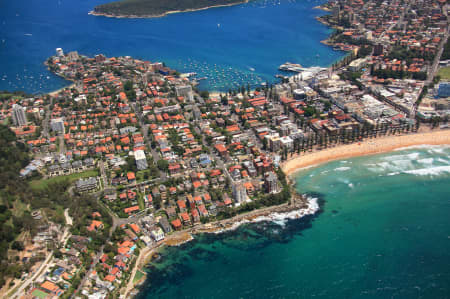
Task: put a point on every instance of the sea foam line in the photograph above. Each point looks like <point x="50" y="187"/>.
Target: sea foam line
<point x="432" y="171"/>
<point x="279" y="218"/>
<point x="423" y="146"/>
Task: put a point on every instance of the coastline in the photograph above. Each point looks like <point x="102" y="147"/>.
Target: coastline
<point x="55" y="92"/>
<point x="321" y="7"/>
<point x="119" y="16"/>
<point x="298" y="207"/>
<point x="368" y="147"/>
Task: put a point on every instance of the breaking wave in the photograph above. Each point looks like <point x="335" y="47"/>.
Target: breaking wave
<point x="344" y="168"/>
<point x="280" y="219"/>
<point x="432" y="171"/>
<point x="416" y="163"/>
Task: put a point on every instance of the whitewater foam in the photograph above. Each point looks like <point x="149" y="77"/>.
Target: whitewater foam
<point x="403" y="164"/>
<point x="280" y="219"/>
<point x="411" y="156"/>
<point x="442" y="160"/>
<point x="426" y="161"/>
<point x="432" y="171"/>
<point x="423" y="146"/>
<point x="344" y="168"/>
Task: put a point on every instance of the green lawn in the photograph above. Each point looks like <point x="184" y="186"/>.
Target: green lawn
<point x="39" y="294"/>
<point x="140" y="199"/>
<point x="43" y="183"/>
<point x="138" y="276"/>
<point x="444" y="73"/>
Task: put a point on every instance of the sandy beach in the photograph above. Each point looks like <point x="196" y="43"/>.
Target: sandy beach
<point x="55" y="92"/>
<point x="367" y="147"/>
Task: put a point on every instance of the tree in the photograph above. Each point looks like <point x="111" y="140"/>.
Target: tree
<point x="204" y="94"/>
<point x="128" y="85"/>
<point x="162" y="165"/>
<point x="264" y="142"/>
<point x="17" y="245"/>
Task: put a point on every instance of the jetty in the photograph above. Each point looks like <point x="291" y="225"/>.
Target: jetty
<point x="291" y="67"/>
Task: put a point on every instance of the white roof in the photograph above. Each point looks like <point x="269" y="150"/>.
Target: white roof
<point x="139" y="155"/>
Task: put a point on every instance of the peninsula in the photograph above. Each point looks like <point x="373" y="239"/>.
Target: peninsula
<point x="156" y="8"/>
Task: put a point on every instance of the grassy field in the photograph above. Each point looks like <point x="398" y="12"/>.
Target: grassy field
<point x="444" y="73"/>
<point x="138" y="276"/>
<point x="43" y="183"/>
<point x="39" y="294"/>
<point x="141" y="202"/>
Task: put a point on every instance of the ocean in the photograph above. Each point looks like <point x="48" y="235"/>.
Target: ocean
<point x="231" y="46"/>
<point x="383" y="231"/>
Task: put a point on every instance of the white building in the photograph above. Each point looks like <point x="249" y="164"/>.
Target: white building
<point x="186" y="92"/>
<point x="59" y="52"/>
<point x="287" y="142"/>
<point x="18" y="115"/>
<point x="239" y="192"/>
<point x="357" y="65"/>
<point x="157" y="234"/>
<point x="141" y="160"/>
<point x="57" y="125"/>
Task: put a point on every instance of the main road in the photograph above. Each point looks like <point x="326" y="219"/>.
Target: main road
<point x="144" y="127"/>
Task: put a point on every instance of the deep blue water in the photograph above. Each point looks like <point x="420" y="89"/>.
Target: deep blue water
<point x="384" y="232"/>
<point x="225" y="44"/>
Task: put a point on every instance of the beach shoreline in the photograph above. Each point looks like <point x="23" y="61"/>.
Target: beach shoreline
<point x="55" y="92"/>
<point x="299" y="206"/>
<point x="364" y="148"/>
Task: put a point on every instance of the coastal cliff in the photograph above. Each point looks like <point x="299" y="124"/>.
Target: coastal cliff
<point x="157" y="8"/>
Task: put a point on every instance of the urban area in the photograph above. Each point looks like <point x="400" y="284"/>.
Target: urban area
<point x="132" y="155"/>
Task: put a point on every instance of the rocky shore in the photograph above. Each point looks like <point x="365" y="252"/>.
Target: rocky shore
<point x="296" y="208"/>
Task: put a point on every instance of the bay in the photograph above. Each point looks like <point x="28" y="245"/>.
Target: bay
<point x="232" y="46"/>
<point x="383" y="232"/>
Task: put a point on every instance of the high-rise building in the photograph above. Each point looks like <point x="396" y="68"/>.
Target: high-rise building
<point x="336" y="10"/>
<point x="141" y="160"/>
<point x="18" y="115"/>
<point x="186" y="92"/>
<point x="100" y="58"/>
<point x="239" y="192"/>
<point x="73" y="56"/>
<point x="270" y="182"/>
<point x="59" y="52"/>
<point x="57" y="125"/>
<point x="377" y="50"/>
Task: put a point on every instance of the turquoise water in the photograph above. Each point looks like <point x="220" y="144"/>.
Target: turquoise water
<point x="230" y="45"/>
<point x="383" y="232"/>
